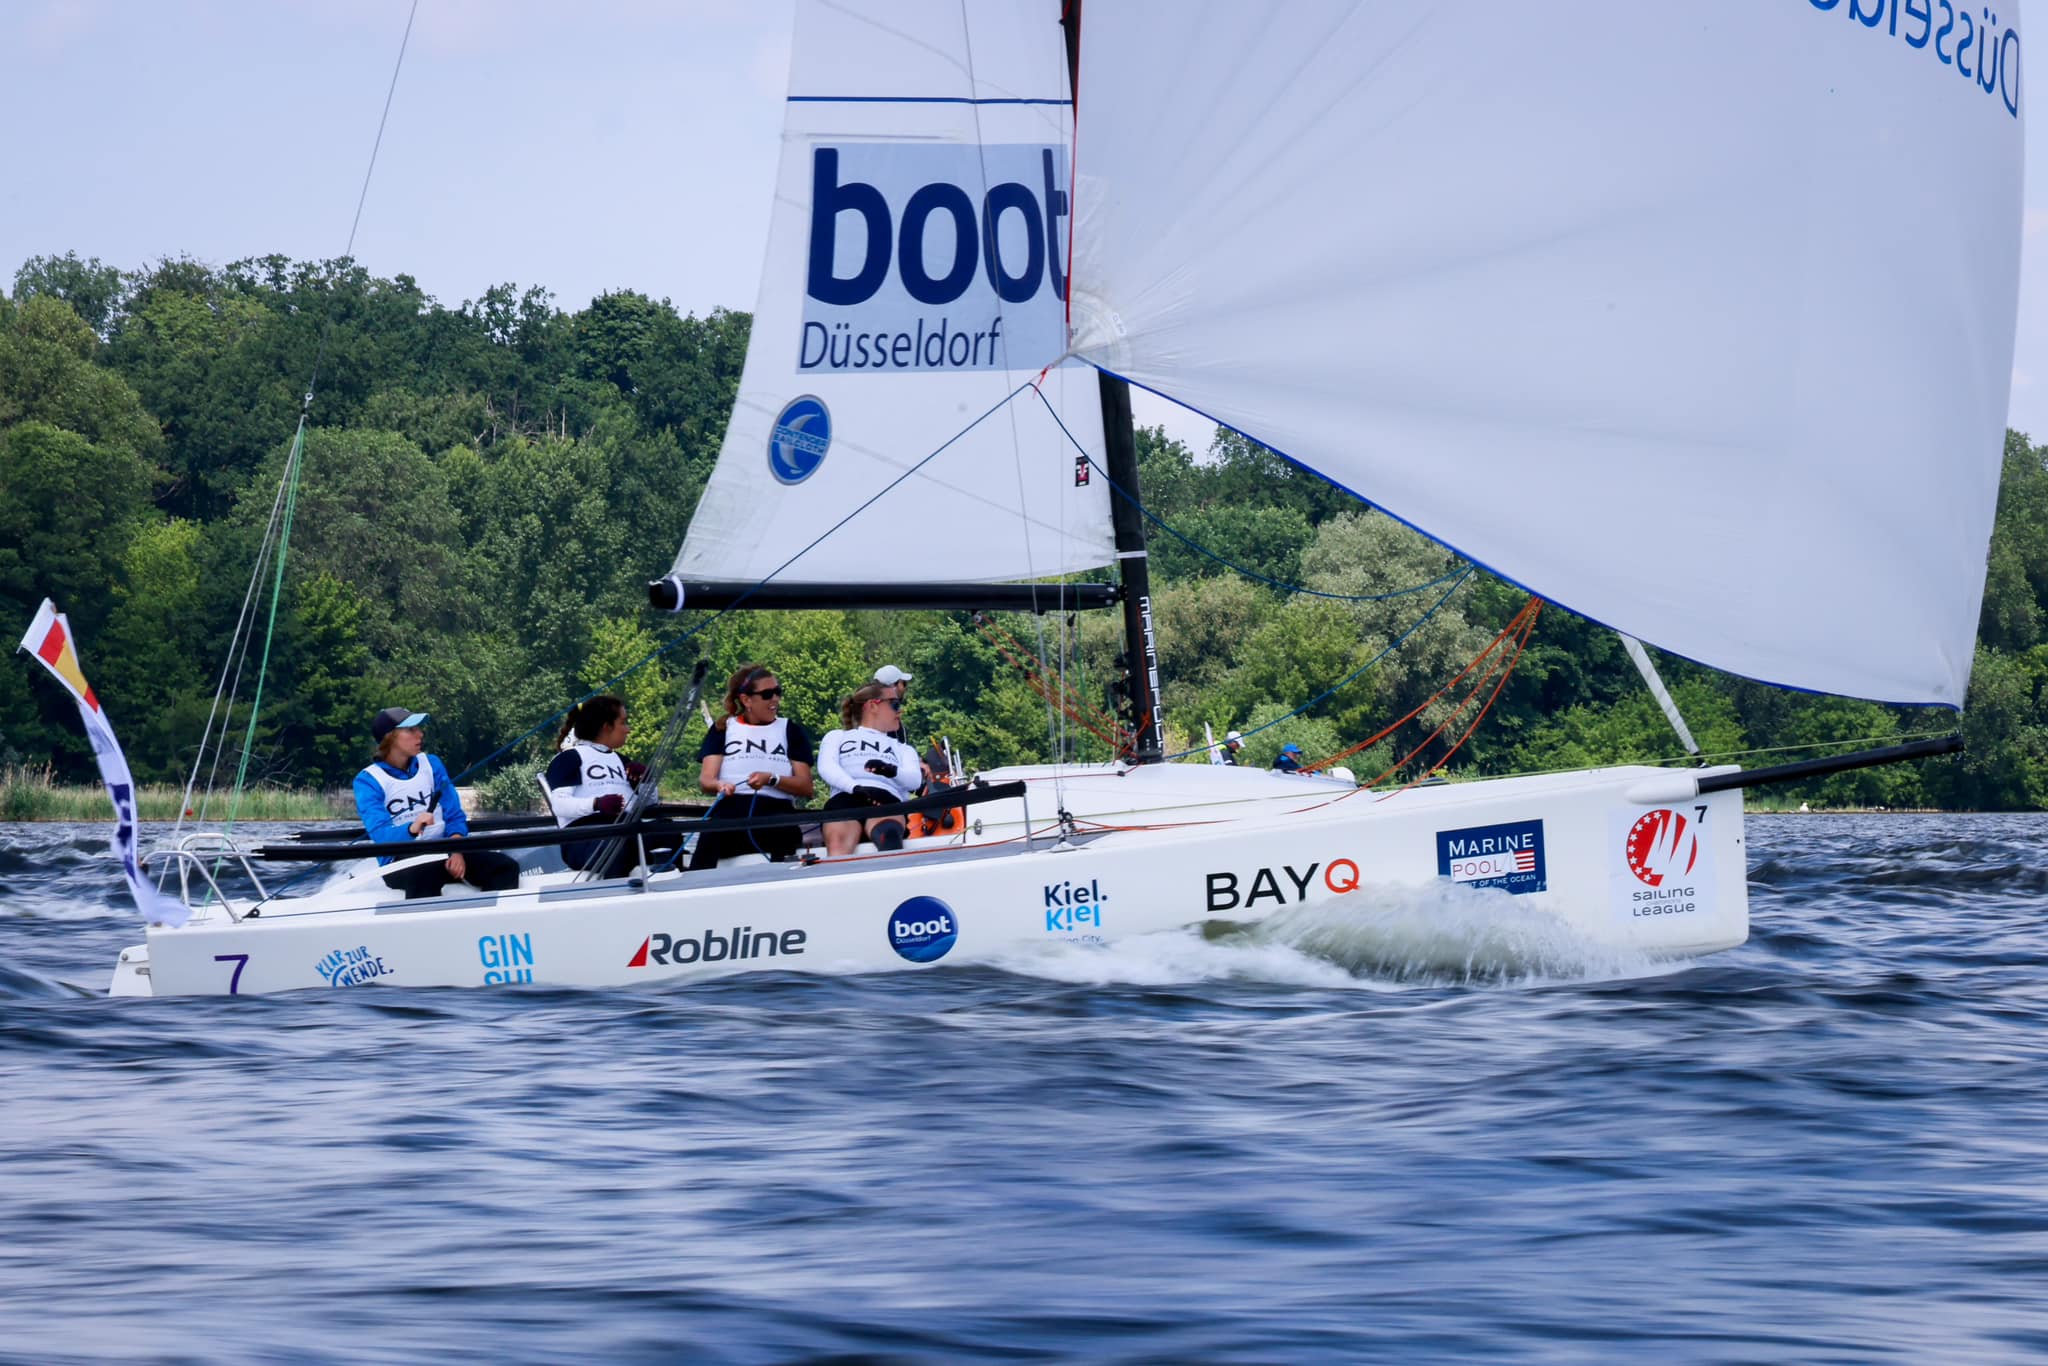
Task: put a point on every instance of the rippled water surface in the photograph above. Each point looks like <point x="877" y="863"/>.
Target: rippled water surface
<point x="1424" y="1130"/>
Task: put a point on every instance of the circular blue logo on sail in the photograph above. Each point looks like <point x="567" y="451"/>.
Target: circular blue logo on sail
<point x="923" y="929"/>
<point x="797" y="441"/>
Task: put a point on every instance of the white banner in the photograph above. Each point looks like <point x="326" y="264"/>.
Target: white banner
<point x="49" y="639"/>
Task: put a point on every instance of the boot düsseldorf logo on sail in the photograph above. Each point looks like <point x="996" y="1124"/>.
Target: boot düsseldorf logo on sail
<point x="935" y="256"/>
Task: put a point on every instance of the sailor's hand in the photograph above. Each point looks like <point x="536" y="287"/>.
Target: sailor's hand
<point x="610" y="804"/>
<point x="419" y="823"/>
<point x="887" y="770"/>
<point x="757" y="781"/>
<point x="456" y="867"/>
<point x="727" y="789"/>
<point x="635" y="771"/>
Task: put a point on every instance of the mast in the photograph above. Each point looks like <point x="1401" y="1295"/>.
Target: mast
<point x="1120" y="449"/>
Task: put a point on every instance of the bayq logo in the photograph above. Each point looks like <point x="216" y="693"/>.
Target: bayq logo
<point x="1507" y="856"/>
<point x="799" y="439"/>
<point x="934" y="256"/>
<point x="923" y="929"/>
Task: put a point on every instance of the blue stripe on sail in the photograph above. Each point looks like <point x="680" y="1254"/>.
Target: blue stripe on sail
<point x="909" y="99"/>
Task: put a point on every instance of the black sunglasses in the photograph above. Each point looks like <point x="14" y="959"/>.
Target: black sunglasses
<point x="767" y="693"/>
<point x="895" y="702"/>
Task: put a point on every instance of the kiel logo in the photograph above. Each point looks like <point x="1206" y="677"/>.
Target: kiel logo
<point x="1508" y="856"/>
<point x="1662" y="844"/>
<point x="799" y="439"/>
<point x="911" y="265"/>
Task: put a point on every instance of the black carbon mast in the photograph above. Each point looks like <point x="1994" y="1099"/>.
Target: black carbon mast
<point x="1141" y="705"/>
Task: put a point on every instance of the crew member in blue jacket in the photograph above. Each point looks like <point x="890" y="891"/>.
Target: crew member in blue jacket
<point x="405" y="795"/>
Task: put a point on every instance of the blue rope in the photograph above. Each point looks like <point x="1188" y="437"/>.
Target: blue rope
<point x="1148" y="515"/>
<point x="1345" y="681"/>
<point x="678" y="639"/>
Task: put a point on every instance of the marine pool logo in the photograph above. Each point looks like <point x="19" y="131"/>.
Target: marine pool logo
<point x="913" y="266"/>
<point x="923" y="929"/>
<point x="798" y="440"/>
<point x="1508" y="856"/>
<point x="1662" y="844"/>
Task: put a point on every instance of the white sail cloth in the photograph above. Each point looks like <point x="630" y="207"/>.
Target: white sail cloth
<point x="889" y="319"/>
<point x="1696" y="319"/>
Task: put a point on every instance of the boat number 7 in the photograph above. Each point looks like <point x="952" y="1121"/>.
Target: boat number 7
<point x="1703" y="813"/>
<point x="240" y="960"/>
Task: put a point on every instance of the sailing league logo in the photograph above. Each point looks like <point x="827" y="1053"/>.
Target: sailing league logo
<point x="935" y="256"/>
<point x="799" y="439"/>
<point x="1662" y="845"/>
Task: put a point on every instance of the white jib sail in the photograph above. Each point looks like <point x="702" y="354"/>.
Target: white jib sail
<point x="1697" y="319"/>
<point x="915" y="277"/>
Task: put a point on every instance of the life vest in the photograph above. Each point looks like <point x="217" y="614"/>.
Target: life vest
<point x="405" y="798"/>
<point x="600" y="772"/>
<point x="757" y="749"/>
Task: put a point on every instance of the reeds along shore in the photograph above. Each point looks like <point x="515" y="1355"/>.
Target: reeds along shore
<point x="27" y="794"/>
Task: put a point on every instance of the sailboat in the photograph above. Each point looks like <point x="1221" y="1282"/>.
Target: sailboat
<point x="1701" y="327"/>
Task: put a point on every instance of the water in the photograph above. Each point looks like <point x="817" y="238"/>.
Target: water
<point x="1405" y="1131"/>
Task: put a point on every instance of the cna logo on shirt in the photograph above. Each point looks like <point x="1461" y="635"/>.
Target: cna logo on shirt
<point x="1662" y="845"/>
<point x="935" y="256"/>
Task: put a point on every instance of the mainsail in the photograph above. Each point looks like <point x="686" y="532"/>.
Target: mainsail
<point x="1696" y="319"/>
<point x="915" y="279"/>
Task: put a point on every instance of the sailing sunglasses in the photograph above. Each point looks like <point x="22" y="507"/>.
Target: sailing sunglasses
<point x="895" y="702"/>
<point x="767" y="693"/>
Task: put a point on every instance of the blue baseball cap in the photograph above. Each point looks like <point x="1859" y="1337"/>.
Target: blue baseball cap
<point x="1290" y="748"/>
<point x="395" y="718"/>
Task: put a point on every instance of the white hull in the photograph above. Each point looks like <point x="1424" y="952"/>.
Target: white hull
<point x="1560" y="845"/>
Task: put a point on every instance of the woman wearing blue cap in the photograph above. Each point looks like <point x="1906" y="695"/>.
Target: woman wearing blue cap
<point x="405" y="795"/>
<point x="1290" y="758"/>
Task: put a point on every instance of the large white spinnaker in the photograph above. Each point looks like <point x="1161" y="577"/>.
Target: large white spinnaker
<point x="1697" y="319"/>
<point x="915" y="274"/>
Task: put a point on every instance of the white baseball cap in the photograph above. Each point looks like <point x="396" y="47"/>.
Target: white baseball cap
<point x="1232" y="736"/>
<point x="889" y="676"/>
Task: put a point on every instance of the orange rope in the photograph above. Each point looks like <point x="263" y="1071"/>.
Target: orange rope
<point x="1504" y="668"/>
<point x="1081" y="713"/>
<point x="1524" y="617"/>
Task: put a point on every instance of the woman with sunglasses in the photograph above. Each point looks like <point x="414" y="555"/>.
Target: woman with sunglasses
<point x="757" y="762"/>
<point x="865" y="766"/>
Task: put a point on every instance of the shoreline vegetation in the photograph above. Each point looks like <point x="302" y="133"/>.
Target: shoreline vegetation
<point x="484" y="489"/>
<point x="30" y="796"/>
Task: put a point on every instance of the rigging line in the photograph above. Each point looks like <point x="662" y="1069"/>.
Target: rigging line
<point x="284" y="539"/>
<point x="1349" y="678"/>
<point x="1199" y="548"/>
<point x="1514" y="623"/>
<point x="348" y="252"/>
<point x="1053" y="736"/>
<point x="1521" y="646"/>
<point x="768" y="578"/>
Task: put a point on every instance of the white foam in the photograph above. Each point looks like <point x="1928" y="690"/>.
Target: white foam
<point x="1374" y="939"/>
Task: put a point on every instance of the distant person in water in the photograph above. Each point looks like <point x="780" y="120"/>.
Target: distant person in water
<point x="590" y="783"/>
<point x="406" y="795"/>
<point x="757" y="762"/>
<point x="866" y="767"/>
<point x="1290" y="758"/>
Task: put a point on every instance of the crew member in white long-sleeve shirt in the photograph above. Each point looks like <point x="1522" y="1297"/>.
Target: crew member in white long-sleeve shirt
<point x="864" y="766"/>
<point x="590" y="783"/>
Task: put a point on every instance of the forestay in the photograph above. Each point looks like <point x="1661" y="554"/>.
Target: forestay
<point x="915" y="278"/>
<point x="1695" y="319"/>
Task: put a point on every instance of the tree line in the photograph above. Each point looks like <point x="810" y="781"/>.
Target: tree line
<point x="487" y="487"/>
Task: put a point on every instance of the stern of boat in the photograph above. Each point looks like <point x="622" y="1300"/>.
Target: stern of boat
<point x="131" y="973"/>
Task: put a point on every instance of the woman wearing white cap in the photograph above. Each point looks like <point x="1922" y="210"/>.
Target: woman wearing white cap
<point x="406" y="795"/>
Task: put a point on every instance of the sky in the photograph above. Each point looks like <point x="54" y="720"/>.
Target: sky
<point x="611" y="144"/>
